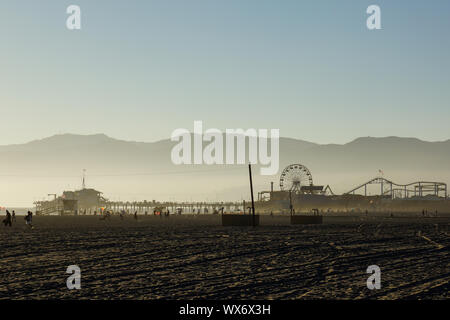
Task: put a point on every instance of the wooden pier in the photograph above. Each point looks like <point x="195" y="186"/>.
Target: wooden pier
<point x="175" y="207"/>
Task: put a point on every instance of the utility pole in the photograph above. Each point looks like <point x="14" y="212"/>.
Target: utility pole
<point x="251" y="191"/>
<point x="290" y="202"/>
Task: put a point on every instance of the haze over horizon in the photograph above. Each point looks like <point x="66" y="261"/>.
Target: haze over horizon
<point x="131" y="171"/>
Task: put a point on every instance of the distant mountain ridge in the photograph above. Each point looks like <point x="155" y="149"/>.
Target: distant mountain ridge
<point x="101" y="137"/>
<point x="127" y="167"/>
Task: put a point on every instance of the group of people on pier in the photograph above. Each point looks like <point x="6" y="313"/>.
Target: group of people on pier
<point x="107" y="214"/>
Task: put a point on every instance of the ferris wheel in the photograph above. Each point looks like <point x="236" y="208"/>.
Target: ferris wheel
<point x="294" y="177"/>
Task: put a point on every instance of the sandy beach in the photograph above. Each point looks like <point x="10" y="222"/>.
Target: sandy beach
<point x="193" y="257"/>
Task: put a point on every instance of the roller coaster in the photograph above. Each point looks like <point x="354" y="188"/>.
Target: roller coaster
<point x="404" y="191"/>
<point x="298" y="190"/>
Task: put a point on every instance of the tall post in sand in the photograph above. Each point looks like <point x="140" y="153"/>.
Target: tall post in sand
<point x="251" y="191"/>
<point x="291" y="208"/>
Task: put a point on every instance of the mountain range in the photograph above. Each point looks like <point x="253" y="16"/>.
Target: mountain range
<point x="127" y="170"/>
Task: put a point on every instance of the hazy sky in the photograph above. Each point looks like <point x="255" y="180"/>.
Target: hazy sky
<point x="139" y="69"/>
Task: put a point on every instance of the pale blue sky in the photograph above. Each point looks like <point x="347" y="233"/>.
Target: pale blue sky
<point x="140" y="69"/>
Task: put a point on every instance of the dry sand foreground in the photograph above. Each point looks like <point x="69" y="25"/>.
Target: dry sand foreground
<point x="188" y="257"/>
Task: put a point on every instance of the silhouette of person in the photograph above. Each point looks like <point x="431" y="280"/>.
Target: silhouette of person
<point x="14" y="216"/>
<point x="29" y="219"/>
<point x="7" y="220"/>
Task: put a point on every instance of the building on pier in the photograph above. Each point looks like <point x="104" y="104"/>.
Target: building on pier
<point x="84" y="201"/>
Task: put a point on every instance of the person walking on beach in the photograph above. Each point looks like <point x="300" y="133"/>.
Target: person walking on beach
<point x="29" y="219"/>
<point x="7" y="220"/>
<point x="135" y="215"/>
<point x="14" y="216"/>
